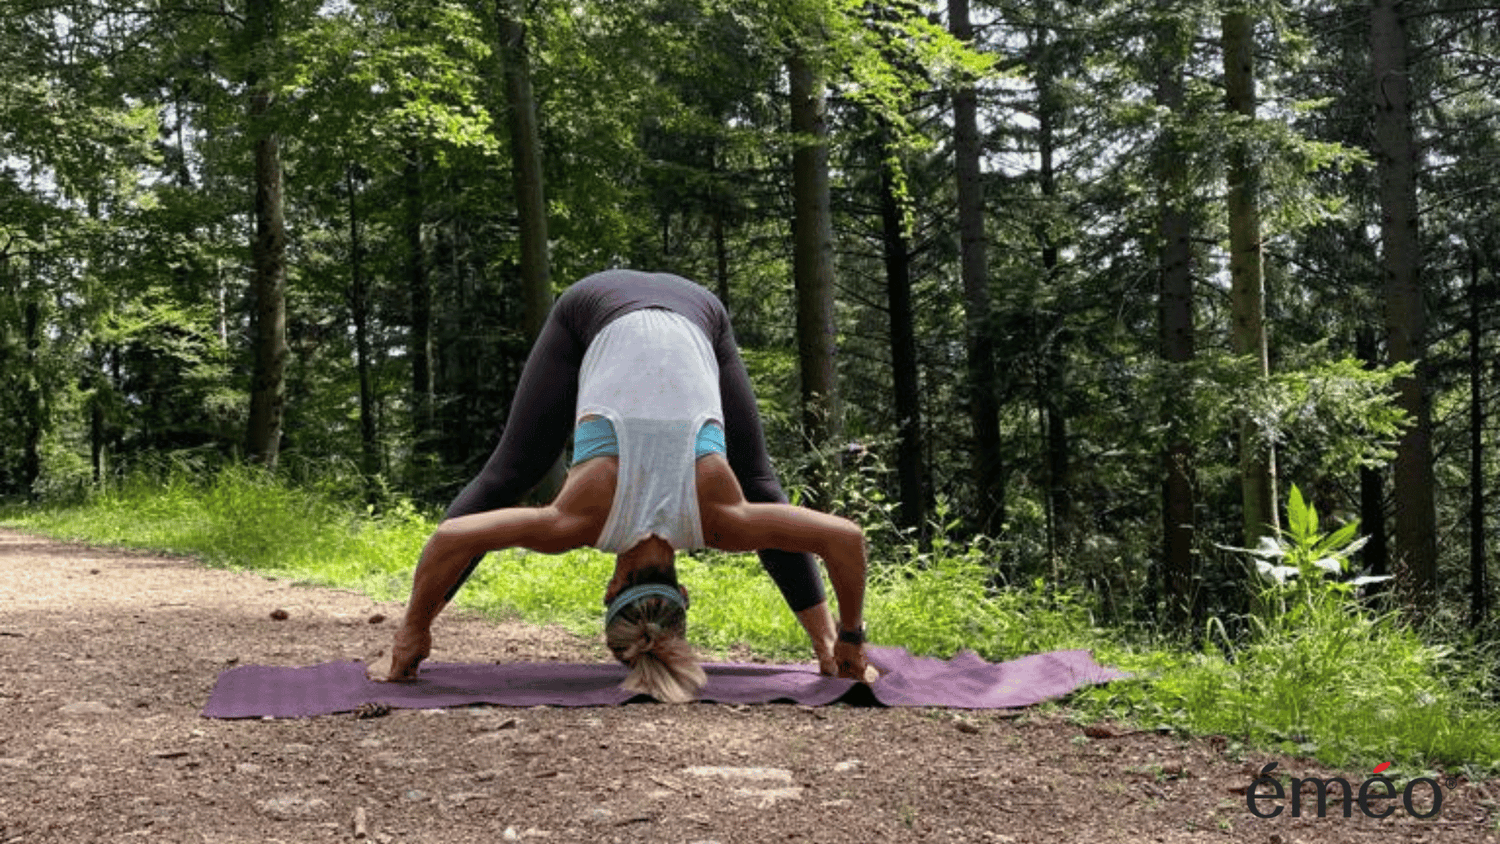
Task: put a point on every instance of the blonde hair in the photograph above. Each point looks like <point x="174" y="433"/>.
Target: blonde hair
<point x="649" y="636"/>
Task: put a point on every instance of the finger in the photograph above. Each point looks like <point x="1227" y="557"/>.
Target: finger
<point x="379" y="671"/>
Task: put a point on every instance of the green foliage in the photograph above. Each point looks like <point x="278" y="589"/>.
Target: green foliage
<point x="1319" y="675"/>
<point x="123" y="204"/>
<point x="1303" y="568"/>
<point x="1338" y="684"/>
<point x="242" y="518"/>
<point x="1326" y="417"/>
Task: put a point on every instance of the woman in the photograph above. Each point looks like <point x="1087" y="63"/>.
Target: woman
<point x="647" y="367"/>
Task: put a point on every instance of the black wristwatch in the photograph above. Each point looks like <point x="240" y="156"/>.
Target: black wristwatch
<point x="852" y="637"/>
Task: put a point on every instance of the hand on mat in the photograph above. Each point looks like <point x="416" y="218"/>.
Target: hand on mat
<point x="827" y="666"/>
<point x="852" y="664"/>
<point x="407" y="652"/>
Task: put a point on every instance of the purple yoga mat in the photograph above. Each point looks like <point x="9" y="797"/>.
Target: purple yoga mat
<point x="964" y="682"/>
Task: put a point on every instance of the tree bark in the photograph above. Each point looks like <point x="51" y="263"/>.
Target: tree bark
<point x="530" y="196"/>
<point x="1052" y="383"/>
<point x="1175" y="318"/>
<point x="1479" y="586"/>
<point x="1375" y="556"/>
<point x="1405" y="312"/>
<point x="904" y="375"/>
<point x="268" y="253"/>
<point x="1247" y="276"/>
<point x="984" y="418"/>
<point x="526" y="164"/>
<point x="359" y="310"/>
<point x="33" y="400"/>
<point x="812" y="270"/>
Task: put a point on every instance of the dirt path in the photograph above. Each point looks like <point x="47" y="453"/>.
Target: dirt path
<point x="107" y="657"/>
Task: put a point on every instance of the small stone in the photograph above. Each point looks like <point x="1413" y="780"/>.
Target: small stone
<point x="377" y="618"/>
<point x="287" y="806"/>
<point x="964" y="726"/>
<point x="414" y="795"/>
<point x="489" y="724"/>
<point x="599" y="813"/>
<point x="846" y="765"/>
<point x="279" y="614"/>
<point x="85" y="707"/>
<point x="510" y="834"/>
<point x="248" y="768"/>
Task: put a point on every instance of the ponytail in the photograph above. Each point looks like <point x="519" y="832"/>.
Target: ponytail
<point x="648" y="635"/>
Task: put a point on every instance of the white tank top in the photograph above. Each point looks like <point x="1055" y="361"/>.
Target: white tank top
<point x="653" y="375"/>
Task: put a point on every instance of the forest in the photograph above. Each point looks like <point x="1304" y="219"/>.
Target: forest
<point x="1090" y="285"/>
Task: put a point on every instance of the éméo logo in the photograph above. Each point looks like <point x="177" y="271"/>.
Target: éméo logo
<point x="1366" y="796"/>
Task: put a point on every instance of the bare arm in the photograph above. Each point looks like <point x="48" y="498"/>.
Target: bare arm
<point x="730" y="523"/>
<point x="573" y="520"/>
<point x="840" y="542"/>
<point x="456" y="541"/>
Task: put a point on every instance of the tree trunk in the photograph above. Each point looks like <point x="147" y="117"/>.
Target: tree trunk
<point x="1175" y="302"/>
<point x="812" y="270"/>
<point x="531" y="202"/>
<point x="1405" y="311"/>
<point x="34" y="403"/>
<point x="1479" y="586"/>
<point x="1375" y="555"/>
<point x="268" y="254"/>
<point x="97" y="433"/>
<point x="717" y="200"/>
<point x="989" y="486"/>
<point x="1247" y="276"/>
<point x="904" y="373"/>
<point x="359" y="308"/>
<point x="419" y="289"/>
<point x="1054" y="362"/>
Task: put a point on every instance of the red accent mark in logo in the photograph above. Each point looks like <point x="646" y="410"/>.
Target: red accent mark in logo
<point x="1382" y="766"/>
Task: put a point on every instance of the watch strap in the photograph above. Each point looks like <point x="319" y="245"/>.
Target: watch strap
<point x="852" y="637"/>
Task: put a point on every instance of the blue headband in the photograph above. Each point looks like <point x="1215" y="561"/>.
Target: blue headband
<point x="640" y="593"/>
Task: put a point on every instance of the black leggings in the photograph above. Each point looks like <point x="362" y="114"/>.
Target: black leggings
<point x="541" y="414"/>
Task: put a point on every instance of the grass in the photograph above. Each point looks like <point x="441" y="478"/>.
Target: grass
<point x="1344" y="687"/>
